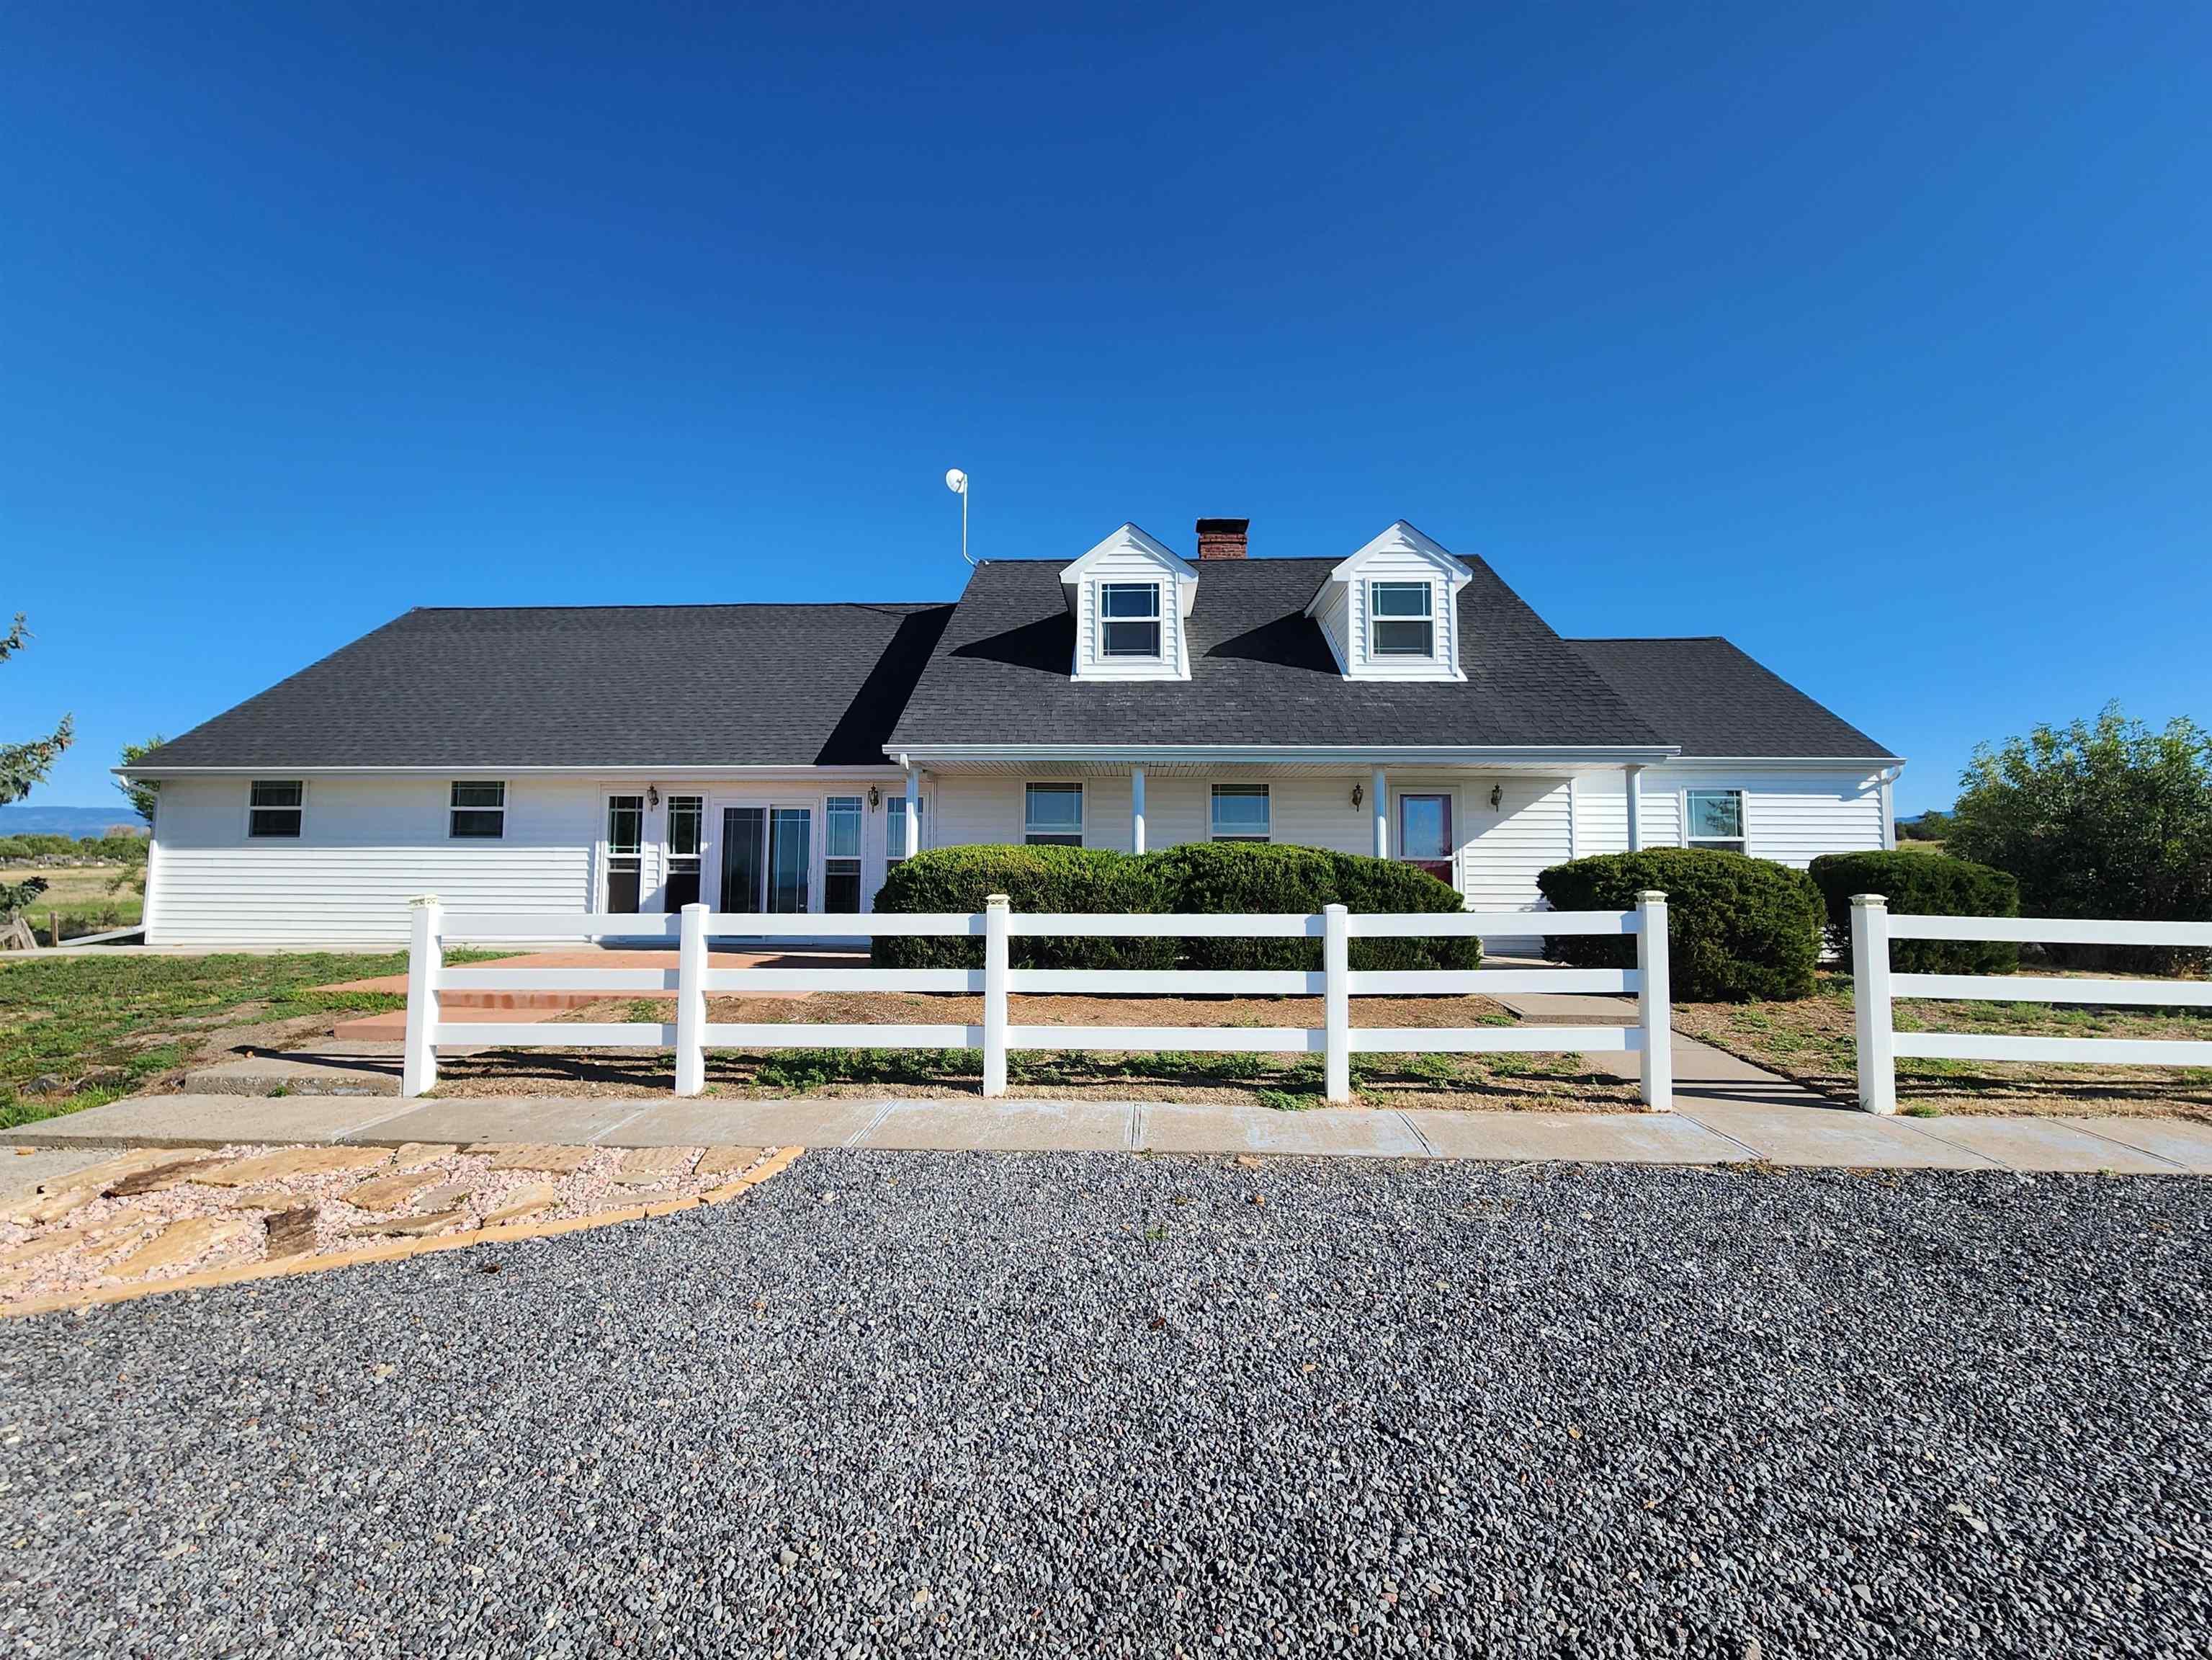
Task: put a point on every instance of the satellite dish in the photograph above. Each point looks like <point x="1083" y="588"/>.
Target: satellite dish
<point x="956" y="481"/>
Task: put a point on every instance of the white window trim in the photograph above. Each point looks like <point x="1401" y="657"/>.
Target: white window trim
<point x="302" y="810"/>
<point x="1375" y="652"/>
<point x="921" y="841"/>
<point x="1214" y="832"/>
<point x="1742" y="814"/>
<point x="451" y="809"/>
<point x="1082" y="810"/>
<point x="606" y="847"/>
<point x="1158" y="619"/>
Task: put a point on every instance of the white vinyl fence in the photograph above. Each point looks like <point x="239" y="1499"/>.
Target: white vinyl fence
<point x="691" y="1034"/>
<point x="1874" y="986"/>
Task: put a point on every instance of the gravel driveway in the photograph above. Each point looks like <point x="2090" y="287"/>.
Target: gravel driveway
<point x="976" y="1404"/>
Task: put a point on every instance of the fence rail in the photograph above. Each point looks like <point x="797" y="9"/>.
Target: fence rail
<point x="691" y="1033"/>
<point x="1875" y="989"/>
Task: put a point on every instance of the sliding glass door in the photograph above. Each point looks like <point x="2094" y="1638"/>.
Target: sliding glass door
<point x="767" y="859"/>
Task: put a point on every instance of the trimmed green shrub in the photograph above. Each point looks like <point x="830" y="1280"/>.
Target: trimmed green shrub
<point x="1209" y="878"/>
<point x="1247" y="878"/>
<point x="1089" y="881"/>
<point x="1925" y="885"/>
<point x="1737" y="928"/>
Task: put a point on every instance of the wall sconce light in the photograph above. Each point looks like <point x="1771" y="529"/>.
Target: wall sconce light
<point x="1497" y="795"/>
<point x="875" y="798"/>
<point x="652" y="795"/>
<point x="1358" y="795"/>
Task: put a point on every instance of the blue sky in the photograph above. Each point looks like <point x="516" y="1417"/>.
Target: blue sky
<point x="1877" y="343"/>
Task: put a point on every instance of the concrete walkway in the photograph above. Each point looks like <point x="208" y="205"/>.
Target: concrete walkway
<point x="1714" y="1123"/>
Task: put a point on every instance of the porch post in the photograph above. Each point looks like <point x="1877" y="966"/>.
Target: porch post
<point x="1635" y="810"/>
<point x="1381" y="790"/>
<point x="914" y="812"/>
<point x="1137" y="809"/>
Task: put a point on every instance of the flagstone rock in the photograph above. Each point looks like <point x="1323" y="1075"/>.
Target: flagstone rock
<point x="193" y="1167"/>
<point x="390" y="1192"/>
<point x="51" y="1206"/>
<point x="532" y="1200"/>
<point x="115" y="1168"/>
<point x="292" y="1232"/>
<point x="412" y="1154"/>
<point x="450" y="1196"/>
<point x="183" y="1242"/>
<point x="409" y="1226"/>
<point x="646" y="1167"/>
<point x="285" y="1163"/>
<point x="555" y="1160"/>
<point x="261" y="1199"/>
<point x="51" y="1245"/>
<point x="716" y="1161"/>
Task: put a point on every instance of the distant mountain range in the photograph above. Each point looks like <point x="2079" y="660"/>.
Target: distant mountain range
<point x="20" y="820"/>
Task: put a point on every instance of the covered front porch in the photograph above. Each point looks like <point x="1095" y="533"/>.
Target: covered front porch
<point x="1486" y="828"/>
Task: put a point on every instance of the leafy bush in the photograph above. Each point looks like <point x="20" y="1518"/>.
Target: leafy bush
<point x="2103" y="820"/>
<point x="1210" y="879"/>
<point x="1737" y="928"/>
<point x="1914" y="883"/>
<point x="1088" y="881"/>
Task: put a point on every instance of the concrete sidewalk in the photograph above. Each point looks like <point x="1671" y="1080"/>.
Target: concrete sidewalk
<point x="1715" y="1123"/>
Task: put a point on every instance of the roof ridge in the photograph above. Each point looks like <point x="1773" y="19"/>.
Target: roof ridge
<point x="1641" y="639"/>
<point x="707" y="604"/>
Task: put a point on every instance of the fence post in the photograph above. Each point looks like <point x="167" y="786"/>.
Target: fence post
<point x="1336" y="1000"/>
<point x="418" y="1067"/>
<point x="691" y="1001"/>
<point x="995" y="915"/>
<point x="1655" y="1004"/>
<point x="1870" y="997"/>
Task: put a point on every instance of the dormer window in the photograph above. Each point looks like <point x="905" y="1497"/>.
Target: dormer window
<point x="1401" y="618"/>
<point x="1391" y="612"/>
<point x="1130" y="599"/>
<point x="1129" y="620"/>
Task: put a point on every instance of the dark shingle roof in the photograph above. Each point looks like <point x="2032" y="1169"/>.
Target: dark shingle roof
<point x="613" y="685"/>
<point x="1260" y="674"/>
<point x="1709" y="698"/>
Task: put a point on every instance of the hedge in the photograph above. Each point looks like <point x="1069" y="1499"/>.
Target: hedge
<point x="1737" y="928"/>
<point x="1085" y="880"/>
<point x="1212" y="879"/>
<point x="1928" y="885"/>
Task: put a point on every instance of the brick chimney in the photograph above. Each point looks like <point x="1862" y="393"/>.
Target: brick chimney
<point x="1221" y="538"/>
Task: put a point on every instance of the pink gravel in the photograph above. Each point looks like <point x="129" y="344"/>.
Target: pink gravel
<point x="88" y="1266"/>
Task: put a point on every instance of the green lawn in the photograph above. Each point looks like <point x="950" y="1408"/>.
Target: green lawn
<point x="79" y="895"/>
<point x="100" y="1025"/>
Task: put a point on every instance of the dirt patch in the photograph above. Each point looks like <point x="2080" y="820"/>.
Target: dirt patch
<point x="1414" y="1078"/>
<point x="1816" y="1042"/>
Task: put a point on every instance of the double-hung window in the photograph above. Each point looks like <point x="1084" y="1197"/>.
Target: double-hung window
<point x="842" y="820"/>
<point x="1401" y="619"/>
<point x="274" y="807"/>
<point x="895" y="827"/>
<point x="476" y="812"/>
<point x="1714" y="818"/>
<point x="1129" y="620"/>
<point x="1240" y="812"/>
<point x="1052" y="816"/>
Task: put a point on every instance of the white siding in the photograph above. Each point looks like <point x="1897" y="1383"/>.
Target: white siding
<point x="1331" y="614"/>
<point x="366" y="847"/>
<point x="1789" y="816"/>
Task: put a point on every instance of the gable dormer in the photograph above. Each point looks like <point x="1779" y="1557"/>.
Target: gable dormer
<point x="1131" y="597"/>
<point x="1391" y="610"/>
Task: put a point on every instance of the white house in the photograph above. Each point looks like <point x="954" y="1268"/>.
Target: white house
<point x="1401" y="700"/>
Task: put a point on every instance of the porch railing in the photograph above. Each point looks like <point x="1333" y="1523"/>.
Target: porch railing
<point x="691" y="1034"/>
